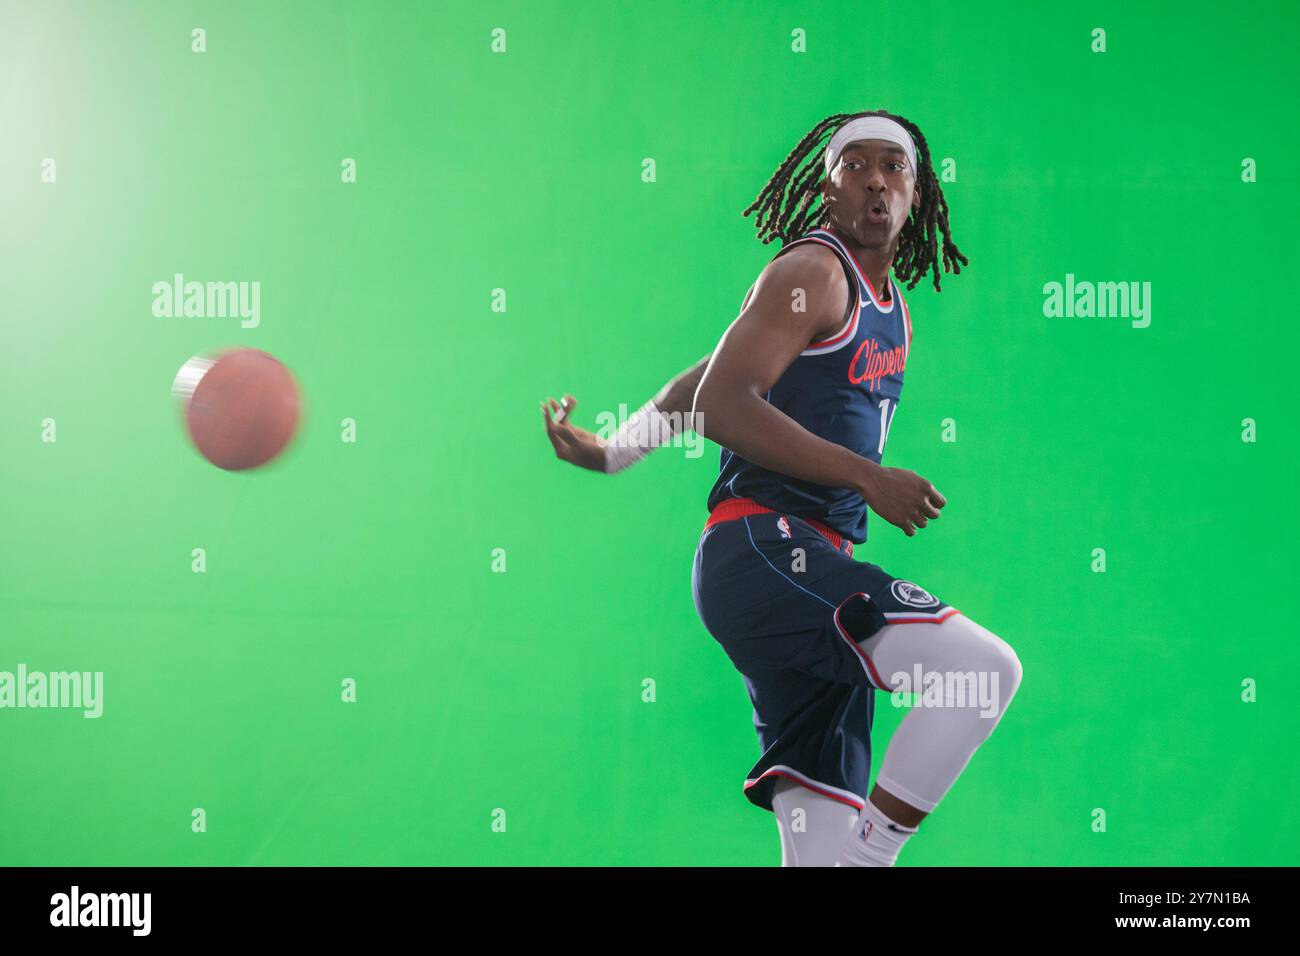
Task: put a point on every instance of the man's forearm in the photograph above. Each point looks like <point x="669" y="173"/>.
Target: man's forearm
<point x="758" y="432"/>
<point x="646" y="430"/>
<point x="679" y="394"/>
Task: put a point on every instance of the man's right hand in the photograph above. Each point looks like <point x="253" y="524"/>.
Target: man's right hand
<point x="902" y="497"/>
<point x="572" y="444"/>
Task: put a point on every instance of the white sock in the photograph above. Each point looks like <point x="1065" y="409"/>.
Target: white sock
<point x="876" y="839"/>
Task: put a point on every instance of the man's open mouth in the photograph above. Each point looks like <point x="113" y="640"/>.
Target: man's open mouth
<point x="877" y="211"/>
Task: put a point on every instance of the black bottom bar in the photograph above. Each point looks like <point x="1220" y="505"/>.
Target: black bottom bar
<point x="912" y="904"/>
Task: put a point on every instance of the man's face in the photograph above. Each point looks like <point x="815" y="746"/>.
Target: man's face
<point x="870" y="192"/>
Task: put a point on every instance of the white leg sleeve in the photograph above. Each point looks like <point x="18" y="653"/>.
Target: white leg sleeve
<point x="967" y="669"/>
<point x="813" y="828"/>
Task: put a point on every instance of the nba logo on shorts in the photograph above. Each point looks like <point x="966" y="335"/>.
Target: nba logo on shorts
<point x="913" y="595"/>
<point x="783" y="526"/>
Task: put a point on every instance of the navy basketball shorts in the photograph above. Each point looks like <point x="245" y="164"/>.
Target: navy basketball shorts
<point x="789" y="605"/>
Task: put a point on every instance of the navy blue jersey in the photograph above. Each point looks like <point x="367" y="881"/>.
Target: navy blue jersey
<point x="844" y="389"/>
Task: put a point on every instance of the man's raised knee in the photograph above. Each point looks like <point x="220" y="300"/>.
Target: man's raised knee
<point x="991" y="654"/>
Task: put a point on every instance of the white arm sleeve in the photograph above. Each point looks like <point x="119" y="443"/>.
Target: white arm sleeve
<point x="645" y="430"/>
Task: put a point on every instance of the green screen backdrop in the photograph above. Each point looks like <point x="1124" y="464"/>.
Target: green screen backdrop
<point x="498" y="611"/>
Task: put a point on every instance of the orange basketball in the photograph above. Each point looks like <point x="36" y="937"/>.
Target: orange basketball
<point x="241" y="408"/>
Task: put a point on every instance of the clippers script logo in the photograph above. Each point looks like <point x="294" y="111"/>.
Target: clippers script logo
<point x="870" y="364"/>
<point x="913" y="595"/>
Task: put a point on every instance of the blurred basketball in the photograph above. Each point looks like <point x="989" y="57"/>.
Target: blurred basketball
<point x="241" y="407"/>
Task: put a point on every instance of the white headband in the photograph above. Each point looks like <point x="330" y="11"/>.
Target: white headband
<point x="869" y="127"/>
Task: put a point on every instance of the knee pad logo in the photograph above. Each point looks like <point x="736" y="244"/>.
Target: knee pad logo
<point x="913" y="595"/>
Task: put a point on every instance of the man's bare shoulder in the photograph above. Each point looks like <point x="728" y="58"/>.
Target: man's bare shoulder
<point x="812" y="259"/>
<point x="810" y="274"/>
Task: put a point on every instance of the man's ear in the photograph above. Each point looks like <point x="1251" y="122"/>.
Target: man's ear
<point x="916" y="198"/>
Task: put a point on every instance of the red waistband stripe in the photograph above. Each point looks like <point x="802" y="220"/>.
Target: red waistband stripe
<point x="734" y="508"/>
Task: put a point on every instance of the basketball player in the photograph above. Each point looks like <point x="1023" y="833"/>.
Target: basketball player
<point x="801" y="392"/>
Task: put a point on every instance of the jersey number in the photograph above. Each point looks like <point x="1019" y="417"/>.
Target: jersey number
<point x="886" y="419"/>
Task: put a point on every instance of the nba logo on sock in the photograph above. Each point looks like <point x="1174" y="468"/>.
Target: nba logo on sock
<point x="783" y="526"/>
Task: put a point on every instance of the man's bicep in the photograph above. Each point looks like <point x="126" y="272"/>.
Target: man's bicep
<point x="755" y="351"/>
<point x="787" y="309"/>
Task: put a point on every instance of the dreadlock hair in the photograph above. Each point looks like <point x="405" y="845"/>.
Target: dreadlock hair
<point x="786" y="210"/>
